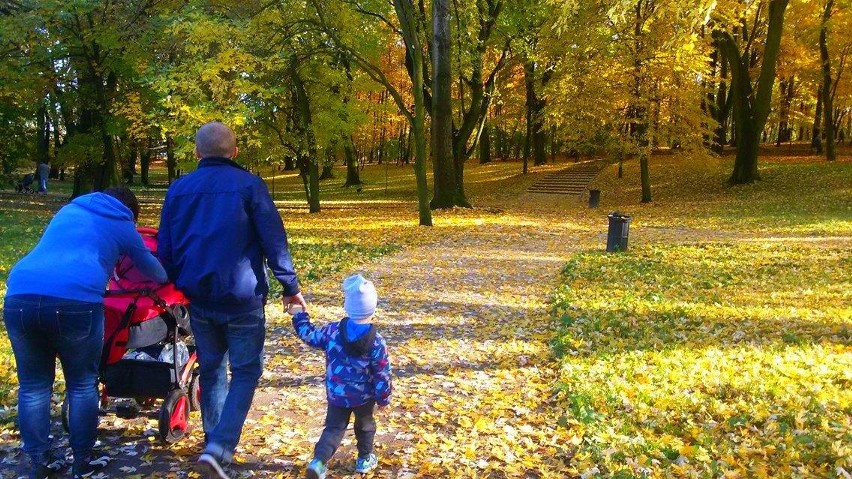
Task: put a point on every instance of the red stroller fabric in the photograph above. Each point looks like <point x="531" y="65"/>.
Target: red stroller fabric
<point x="123" y="291"/>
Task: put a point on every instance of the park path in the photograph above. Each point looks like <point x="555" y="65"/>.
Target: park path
<point x="467" y="326"/>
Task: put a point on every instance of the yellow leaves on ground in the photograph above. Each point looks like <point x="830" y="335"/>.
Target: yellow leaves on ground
<point x="710" y="358"/>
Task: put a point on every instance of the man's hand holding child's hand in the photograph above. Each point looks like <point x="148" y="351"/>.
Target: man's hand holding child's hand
<point x="294" y="306"/>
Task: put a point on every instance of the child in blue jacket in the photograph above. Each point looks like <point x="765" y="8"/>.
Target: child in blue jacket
<point x="358" y="375"/>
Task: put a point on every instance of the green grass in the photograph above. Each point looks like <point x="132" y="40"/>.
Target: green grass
<point x="798" y="195"/>
<point x="721" y="341"/>
<point x="20" y="230"/>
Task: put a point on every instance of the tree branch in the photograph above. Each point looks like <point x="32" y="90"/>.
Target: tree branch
<point x="358" y="8"/>
<point x="373" y="71"/>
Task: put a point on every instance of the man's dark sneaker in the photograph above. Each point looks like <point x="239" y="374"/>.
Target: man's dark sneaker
<point x="48" y="469"/>
<point x="41" y="471"/>
<point x="56" y="464"/>
<point x="210" y="468"/>
<point x="92" y="465"/>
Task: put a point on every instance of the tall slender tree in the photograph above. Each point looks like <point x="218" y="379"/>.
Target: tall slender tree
<point x="752" y="102"/>
<point x="826" y="90"/>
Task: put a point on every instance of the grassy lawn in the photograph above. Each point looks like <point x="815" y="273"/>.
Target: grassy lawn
<point x="720" y="344"/>
<point x="797" y="195"/>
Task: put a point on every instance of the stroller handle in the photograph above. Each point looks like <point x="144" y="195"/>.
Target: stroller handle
<point x="147" y="292"/>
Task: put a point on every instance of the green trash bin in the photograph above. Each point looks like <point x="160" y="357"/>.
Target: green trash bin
<point x="594" y="198"/>
<point x="619" y="229"/>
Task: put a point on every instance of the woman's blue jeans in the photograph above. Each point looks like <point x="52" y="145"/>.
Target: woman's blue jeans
<point x="40" y="329"/>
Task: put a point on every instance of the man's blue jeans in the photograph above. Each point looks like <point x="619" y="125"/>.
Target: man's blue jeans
<point x="222" y="338"/>
<point x="40" y="328"/>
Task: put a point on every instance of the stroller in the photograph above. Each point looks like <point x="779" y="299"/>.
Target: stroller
<point x="144" y="355"/>
<point x="25" y="184"/>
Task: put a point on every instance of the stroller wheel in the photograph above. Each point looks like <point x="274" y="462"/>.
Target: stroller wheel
<point x="174" y="417"/>
<point x="195" y="392"/>
<point x="66" y="416"/>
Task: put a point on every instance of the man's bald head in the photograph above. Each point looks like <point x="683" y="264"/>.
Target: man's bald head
<point x="215" y="139"/>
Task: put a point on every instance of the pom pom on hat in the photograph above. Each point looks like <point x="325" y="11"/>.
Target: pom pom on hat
<point x="359" y="297"/>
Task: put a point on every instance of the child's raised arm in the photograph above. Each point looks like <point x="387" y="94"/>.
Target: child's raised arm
<point x="380" y="368"/>
<point x="307" y="332"/>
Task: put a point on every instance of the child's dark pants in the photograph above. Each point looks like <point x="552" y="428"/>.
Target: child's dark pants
<point x="336" y="422"/>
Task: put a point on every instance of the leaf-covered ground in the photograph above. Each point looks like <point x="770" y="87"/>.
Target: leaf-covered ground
<point x="718" y="345"/>
<point x="465" y="317"/>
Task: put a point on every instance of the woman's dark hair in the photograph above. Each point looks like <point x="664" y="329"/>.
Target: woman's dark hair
<point x="123" y="194"/>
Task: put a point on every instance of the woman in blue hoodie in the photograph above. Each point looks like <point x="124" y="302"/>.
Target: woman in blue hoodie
<point x="54" y="307"/>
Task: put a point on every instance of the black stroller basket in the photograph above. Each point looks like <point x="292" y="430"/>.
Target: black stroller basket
<point x="133" y="378"/>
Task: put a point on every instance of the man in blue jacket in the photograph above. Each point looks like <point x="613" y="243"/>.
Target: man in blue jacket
<point x="218" y="225"/>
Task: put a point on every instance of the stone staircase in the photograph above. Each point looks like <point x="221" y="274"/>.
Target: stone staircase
<point x="571" y="181"/>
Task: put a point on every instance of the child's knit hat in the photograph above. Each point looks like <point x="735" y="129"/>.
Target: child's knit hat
<point x="359" y="298"/>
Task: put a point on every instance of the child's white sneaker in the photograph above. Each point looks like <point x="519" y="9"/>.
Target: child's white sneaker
<point x="363" y="465"/>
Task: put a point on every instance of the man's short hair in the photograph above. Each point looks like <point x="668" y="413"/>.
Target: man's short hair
<point x="215" y="139"/>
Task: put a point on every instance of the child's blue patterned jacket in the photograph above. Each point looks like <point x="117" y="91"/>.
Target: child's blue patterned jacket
<point x="356" y="371"/>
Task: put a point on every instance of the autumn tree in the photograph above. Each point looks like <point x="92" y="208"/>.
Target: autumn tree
<point x="835" y="22"/>
<point x="751" y="101"/>
<point x="628" y="78"/>
<point x="532" y="22"/>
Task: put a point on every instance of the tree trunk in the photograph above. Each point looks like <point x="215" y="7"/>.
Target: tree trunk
<point x="308" y="153"/>
<point x="442" y="108"/>
<point x="745" y="164"/>
<point x="171" y="161"/>
<point x="129" y="169"/>
<point x="406" y="13"/>
<point x="788" y="90"/>
<point x="645" y="174"/>
<point x="485" y="144"/>
<point x="328" y="167"/>
<point x="82" y="179"/>
<point x="105" y="174"/>
<point x="353" y="178"/>
<point x="83" y="172"/>
<point x="535" y="105"/>
<point x="816" y="129"/>
<point x="144" y="164"/>
<point x="638" y="111"/>
<point x="498" y="142"/>
<point x="723" y="108"/>
<point x="554" y="143"/>
<point x="42" y="136"/>
<point x="828" y="108"/>
<point x="752" y="104"/>
<point x="57" y="144"/>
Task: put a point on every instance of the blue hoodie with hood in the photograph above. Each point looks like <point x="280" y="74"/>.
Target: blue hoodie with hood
<point x="78" y="251"/>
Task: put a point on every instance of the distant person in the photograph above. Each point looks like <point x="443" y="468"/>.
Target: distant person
<point x="218" y="228"/>
<point x="54" y="307"/>
<point x="357" y="378"/>
<point x="42" y="171"/>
